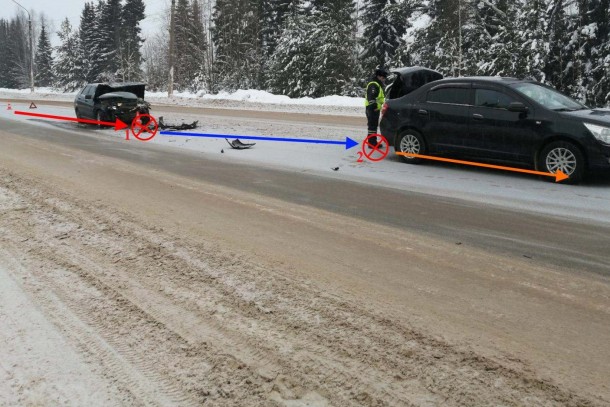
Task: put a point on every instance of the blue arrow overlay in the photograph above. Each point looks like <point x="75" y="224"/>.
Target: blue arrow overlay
<point x="348" y="142"/>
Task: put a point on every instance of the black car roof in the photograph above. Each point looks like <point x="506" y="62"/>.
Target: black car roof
<point x="118" y="84"/>
<point x="488" y="79"/>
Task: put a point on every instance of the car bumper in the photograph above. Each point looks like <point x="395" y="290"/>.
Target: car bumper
<point x="125" y="116"/>
<point x="599" y="157"/>
<point x="387" y="128"/>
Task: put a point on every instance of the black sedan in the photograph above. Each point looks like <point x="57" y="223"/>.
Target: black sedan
<point x="515" y="122"/>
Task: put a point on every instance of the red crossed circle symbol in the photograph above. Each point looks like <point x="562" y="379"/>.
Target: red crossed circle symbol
<point x="375" y="152"/>
<point x="144" y="123"/>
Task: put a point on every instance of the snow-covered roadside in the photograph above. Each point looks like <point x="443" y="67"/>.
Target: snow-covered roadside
<point x="37" y="366"/>
<point x="241" y="99"/>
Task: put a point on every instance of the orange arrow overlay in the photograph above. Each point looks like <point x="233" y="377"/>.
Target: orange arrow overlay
<point x="559" y="176"/>
<point x="118" y="124"/>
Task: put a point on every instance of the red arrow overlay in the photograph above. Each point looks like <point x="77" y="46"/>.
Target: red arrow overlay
<point x="118" y="124"/>
<point x="559" y="176"/>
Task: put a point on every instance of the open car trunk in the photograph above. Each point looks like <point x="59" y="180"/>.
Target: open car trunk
<point x="409" y="79"/>
<point x="137" y="89"/>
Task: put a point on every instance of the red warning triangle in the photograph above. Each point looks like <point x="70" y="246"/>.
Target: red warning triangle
<point x="33" y="106"/>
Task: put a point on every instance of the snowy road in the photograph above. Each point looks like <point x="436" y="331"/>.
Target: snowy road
<point x="589" y="201"/>
<point x="174" y="274"/>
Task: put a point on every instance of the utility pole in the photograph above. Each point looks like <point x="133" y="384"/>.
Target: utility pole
<point x="172" y="29"/>
<point x="31" y="47"/>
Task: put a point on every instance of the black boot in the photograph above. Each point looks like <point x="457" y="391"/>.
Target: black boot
<point x="372" y="141"/>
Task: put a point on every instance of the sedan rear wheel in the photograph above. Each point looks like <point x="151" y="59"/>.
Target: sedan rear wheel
<point x="411" y="142"/>
<point x="565" y="157"/>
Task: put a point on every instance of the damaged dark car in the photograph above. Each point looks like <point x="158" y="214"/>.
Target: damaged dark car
<point x="107" y="102"/>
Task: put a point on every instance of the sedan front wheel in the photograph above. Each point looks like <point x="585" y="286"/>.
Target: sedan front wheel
<point x="565" y="157"/>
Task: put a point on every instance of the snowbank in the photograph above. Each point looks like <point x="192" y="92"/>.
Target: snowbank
<point x="260" y="96"/>
<point x="250" y="95"/>
<point x="39" y="92"/>
<point x="240" y="100"/>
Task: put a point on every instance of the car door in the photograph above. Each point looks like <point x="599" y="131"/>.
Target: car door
<point x="445" y="116"/>
<point x="497" y="133"/>
<point x="80" y="100"/>
<point x="88" y="102"/>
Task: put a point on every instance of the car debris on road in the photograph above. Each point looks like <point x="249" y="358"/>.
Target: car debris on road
<point x="178" y="127"/>
<point x="237" y="144"/>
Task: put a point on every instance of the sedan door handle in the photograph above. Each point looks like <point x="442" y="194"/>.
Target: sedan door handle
<point x="477" y="116"/>
<point x="422" y="112"/>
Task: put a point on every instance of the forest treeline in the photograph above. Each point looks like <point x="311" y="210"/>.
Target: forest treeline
<point x="319" y="47"/>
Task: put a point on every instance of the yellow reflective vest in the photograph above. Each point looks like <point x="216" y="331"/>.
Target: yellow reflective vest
<point x="380" y="96"/>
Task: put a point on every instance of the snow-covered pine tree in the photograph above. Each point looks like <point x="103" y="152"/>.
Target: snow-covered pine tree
<point x="274" y="16"/>
<point x="130" y="40"/>
<point x="436" y="45"/>
<point x="533" y="32"/>
<point x="583" y="46"/>
<point x="44" y="59"/>
<point x="191" y="47"/>
<point x="88" y="40"/>
<point x="183" y="66"/>
<point x="268" y="31"/>
<point x="108" y="35"/>
<point x="67" y="68"/>
<point x="598" y="63"/>
<point x="4" y="63"/>
<point x="385" y="23"/>
<point x="198" y="49"/>
<point x="315" y="54"/>
<point x="334" y="62"/>
<point x="236" y="35"/>
<point x="18" y="55"/>
<point x="603" y="61"/>
<point x="13" y="48"/>
<point x="498" y="50"/>
<point x="290" y="65"/>
<point x="409" y="11"/>
<point x="558" y="59"/>
<point x="7" y="63"/>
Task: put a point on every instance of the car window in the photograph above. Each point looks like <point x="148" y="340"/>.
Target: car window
<point x="454" y="96"/>
<point x="91" y="90"/>
<point x="492" y="98"/>
<point x="547" y="97"/>
<point x="85" y="90"/>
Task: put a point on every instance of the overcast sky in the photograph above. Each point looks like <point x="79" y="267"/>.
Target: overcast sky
<point x="57" y="10"/>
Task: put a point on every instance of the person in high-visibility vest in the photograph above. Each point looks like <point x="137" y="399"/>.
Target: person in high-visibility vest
<point x="375" y="98"/>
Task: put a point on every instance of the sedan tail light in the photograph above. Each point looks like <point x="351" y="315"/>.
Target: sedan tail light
<point x="384" y="109"/>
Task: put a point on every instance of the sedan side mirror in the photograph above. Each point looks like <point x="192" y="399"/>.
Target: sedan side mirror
<point x="517" y="107"/>
<point x="88" y="97"/>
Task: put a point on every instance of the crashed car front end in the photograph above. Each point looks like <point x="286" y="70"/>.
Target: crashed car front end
<point x="124" y="106"/>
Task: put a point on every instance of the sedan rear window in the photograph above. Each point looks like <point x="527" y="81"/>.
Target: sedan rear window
<point x="453" y="96"/>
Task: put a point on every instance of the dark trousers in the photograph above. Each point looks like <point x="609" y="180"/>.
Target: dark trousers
<point x="372" y="118"/>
